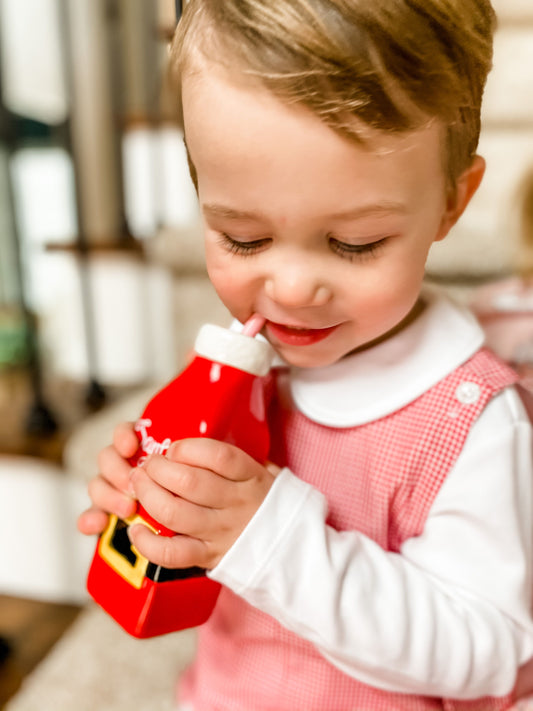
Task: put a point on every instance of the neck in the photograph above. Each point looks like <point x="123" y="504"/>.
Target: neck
<point x="415" y="312"/>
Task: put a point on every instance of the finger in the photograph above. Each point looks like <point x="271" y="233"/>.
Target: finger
<point x="165" y="507"/>
<point x="125" y="440"/>
<point x="197" y="485"/>
<point x="274" y="469"/>
<point x="92" y="522"/>
<point x="107" y="498"/>
<point x="172" y="511"/>
<point x="224" y="459"/>
<point x="170" y="552"/>
<point x="115" y="469"/>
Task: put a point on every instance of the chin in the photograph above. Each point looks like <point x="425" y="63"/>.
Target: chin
<point x="307" y="359"/>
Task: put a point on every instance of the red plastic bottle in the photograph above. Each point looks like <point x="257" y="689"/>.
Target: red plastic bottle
<point x="220" y="395"/>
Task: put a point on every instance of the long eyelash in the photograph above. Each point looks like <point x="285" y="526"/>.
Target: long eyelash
<point x="243" y="248"/>
<point x="354" y="251"/>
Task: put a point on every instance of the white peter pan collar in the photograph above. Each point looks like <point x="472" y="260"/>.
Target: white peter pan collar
<point x="374" y="383"/>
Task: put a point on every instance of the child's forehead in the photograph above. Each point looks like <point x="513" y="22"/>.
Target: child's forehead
<point x="213" y="91"/>
<point x="247" y="144"/>
<point x="389" y="63"/>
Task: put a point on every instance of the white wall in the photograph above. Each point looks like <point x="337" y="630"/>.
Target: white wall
<point x="486" y="240"/>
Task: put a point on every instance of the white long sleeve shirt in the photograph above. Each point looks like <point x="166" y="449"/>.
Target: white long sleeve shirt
<point x="450" y="615"/>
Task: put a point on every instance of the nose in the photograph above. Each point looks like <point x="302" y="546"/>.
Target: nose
<point x="297" y="286"/>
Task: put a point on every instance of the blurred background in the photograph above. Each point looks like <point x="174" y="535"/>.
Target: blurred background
<point x="102" y="282"/>
<point x="97" y="210"/>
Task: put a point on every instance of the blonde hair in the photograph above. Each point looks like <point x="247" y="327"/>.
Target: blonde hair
<point x="391" y="65"/>
<point x="524" y="258"/>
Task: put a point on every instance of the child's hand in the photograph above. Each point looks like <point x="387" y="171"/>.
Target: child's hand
<point x="111" y="490"/>
<point x="206" y="491"/>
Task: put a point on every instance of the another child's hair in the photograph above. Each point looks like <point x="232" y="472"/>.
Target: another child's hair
<point x="392" y="65"/>
<point x="524" y="256"/>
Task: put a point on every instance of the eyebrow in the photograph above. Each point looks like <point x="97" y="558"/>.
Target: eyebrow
<point x="386" y="207"/>
<point x="380" y="208"/>
<point x="231" y="213"/>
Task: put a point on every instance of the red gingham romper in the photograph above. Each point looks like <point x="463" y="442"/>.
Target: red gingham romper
<point x="381" y="479"/>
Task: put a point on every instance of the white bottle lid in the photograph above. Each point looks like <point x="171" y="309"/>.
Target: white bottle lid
<point x="235" y="349"/>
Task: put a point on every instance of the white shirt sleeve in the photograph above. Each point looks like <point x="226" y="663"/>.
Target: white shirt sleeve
<point x="449" y="615"/>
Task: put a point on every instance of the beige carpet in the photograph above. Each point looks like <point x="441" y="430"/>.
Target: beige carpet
<point x="96" y="666"/>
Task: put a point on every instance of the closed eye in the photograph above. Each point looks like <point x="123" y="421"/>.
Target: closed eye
<point x="354" y="251"/>
<point x="243" y="247"/>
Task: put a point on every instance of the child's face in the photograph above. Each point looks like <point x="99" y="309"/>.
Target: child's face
<point x="324" y="238"/>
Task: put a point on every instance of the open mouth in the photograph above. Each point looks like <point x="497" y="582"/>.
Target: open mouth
<point x="296" y="336"/>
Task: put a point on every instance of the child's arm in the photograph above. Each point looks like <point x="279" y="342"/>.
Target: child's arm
<point x="450" y="616"/>
<point x="111" y="491"/>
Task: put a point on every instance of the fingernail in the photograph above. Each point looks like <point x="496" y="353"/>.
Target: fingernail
<point x="133" y="548"/>
<point x="131" y="482"/>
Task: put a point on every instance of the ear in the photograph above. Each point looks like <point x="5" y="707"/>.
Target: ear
<point x="458" y="198"/>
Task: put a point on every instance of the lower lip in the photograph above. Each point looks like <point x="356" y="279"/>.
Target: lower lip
<point x="298" y="336"/>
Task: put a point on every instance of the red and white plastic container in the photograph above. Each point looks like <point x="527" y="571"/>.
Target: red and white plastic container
<point x="221" y="394"/>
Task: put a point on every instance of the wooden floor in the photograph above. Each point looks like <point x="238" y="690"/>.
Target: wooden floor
<point x="30" y="628"/>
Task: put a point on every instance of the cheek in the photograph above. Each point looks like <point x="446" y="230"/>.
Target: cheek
<point x="215" y="264"/>
<point x="231" y="287"/>
<point x="404" y="272"/>
<point x="220" y="278"/>
<point x="389" y="298"/>
<point x="235" y="278"/>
